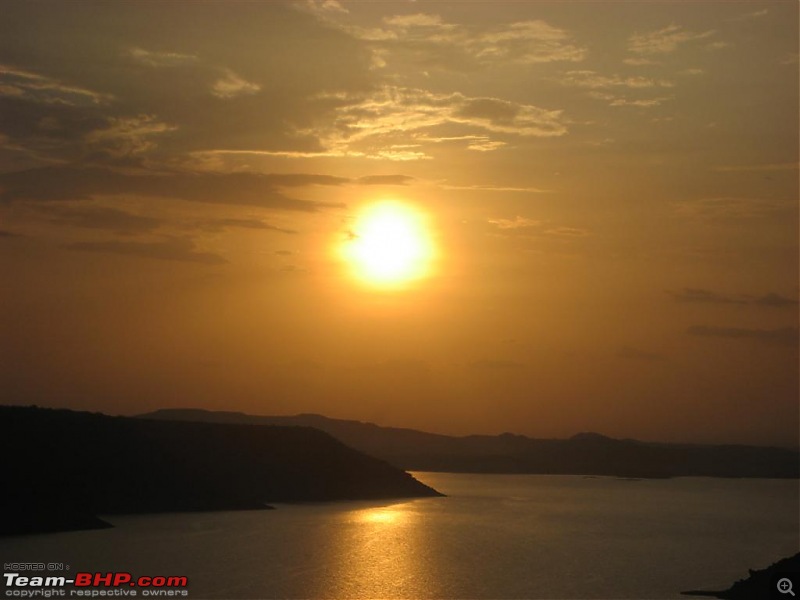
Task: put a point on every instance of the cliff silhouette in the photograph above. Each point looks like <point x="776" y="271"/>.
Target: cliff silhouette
<point x="583" y="454"/>
<point x="63" y="468"/>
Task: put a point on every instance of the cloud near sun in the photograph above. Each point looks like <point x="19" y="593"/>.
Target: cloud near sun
<point x="512" y="186"/>
<point x="386" y="124"/>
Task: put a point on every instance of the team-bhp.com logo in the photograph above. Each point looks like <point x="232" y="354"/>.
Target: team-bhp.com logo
<point x="95" y="585"/>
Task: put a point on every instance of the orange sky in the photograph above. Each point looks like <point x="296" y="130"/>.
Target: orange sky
<point x="606" y="194"/>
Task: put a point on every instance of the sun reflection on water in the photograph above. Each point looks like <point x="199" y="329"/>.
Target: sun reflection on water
<point x="380" y="515"/>
<point x="384" y="554"/>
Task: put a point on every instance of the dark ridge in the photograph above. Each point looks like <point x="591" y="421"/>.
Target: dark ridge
<point x="63" y="467"/>
<point x="590" y="436"/>
<point x="760" y="584"/>
<point x="583" y="454"/>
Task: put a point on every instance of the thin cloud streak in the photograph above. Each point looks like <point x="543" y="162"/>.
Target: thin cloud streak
<point x="251" y="189"/>
<point x="665" y="40"/>
<point x="782" y="336"/>
<point x="173" y="249"/>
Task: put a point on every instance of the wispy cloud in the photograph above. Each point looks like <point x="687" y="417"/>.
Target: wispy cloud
<point x="98" y="217"/>
<point x="231" y="85"/>
<point x="515" y="223"/>
<point x="617" y="90"/>
<point x="718" y="45"/>
<point x="384" y="180"/>
<point x="172" y="249"/>
<point x="485" y="146"/>
<point x="728" y="208"/>
<point x="253" y="189"/>
<point x="617" y="100"/>
<point x="702" y="296"/>
<point x="428" y="40"/>
<point x="638" y="61"/>
<point x="125" y="136"/>
<point x="535" y="228"/>
<point x="325" y="6"/>
<point x="479" y="143"/>
<point x="156" y="59"/>
<point x="571" y="232"/>
<point x="528" y="42"/>
<point x="417" y="20"/>
<point x="775" y="301"/>
<point x="783" y="336"/>
<point x="640" y="102"/>
<point x="203" y="156"/>
<point x="495" y="188"/>
<point x="503" y="116"/>
<point x="664" y="41"/>
<point x="21" y="83"/>
<point x="225" y="83"/>
<point x="748" y="16"/>
<point x="217" y="225"/>
<point x="382" y="124"/>
<point x="594" y="80"/>
<point x="394" y="152"/>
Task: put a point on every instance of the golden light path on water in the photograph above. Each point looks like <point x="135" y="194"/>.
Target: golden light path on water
<point x="389" y="245"/>
<point x="386" y="555"/>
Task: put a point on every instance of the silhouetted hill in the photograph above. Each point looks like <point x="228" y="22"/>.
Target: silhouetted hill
<point x="62" y="467"/>
<point x="584" y="453"/>
<point x="760" y="584"/>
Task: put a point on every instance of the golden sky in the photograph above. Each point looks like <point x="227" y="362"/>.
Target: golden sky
<point x="462" y="217"/>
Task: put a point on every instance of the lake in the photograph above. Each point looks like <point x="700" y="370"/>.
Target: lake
<point x="494" y="536"/>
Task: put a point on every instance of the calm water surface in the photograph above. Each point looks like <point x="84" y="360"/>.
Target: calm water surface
<point x="494" y="536"/>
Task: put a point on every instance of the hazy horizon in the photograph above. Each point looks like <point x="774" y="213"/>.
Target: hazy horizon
<point x="391" y="426"/>
<point x="541" y="218"/>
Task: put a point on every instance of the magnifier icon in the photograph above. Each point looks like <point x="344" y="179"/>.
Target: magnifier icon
<point x="785" y="586"/>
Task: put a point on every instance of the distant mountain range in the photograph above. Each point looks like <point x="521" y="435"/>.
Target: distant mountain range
<point x="582" y="454"/>
<point x="63" y="468"/>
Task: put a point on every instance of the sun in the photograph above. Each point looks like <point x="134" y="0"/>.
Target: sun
<point x="389" y="245"/>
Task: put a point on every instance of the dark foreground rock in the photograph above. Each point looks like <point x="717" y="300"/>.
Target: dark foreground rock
<point x="62" y="468"/>
<point x="760" y="584"/>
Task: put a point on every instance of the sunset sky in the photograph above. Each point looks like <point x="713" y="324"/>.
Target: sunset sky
<point x="461" y="217"/>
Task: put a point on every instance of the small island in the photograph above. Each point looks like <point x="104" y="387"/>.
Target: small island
<point x="64" y="468"/>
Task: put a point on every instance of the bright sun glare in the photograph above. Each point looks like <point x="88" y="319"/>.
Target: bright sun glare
<point x="389" y="245"/>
